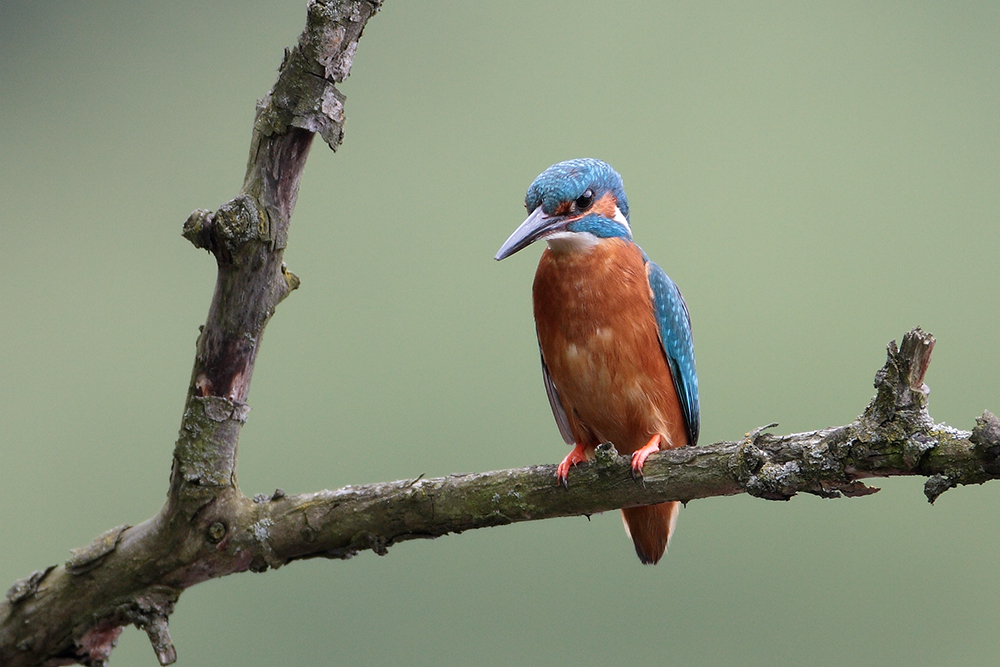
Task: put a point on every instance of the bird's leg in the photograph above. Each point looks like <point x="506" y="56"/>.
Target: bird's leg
<point x="639" y="456"/>
<point x="578" y="454"/>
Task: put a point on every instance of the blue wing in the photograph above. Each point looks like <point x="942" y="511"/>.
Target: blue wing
<point x="558" y="411"/>
<point x="675" y="337"/>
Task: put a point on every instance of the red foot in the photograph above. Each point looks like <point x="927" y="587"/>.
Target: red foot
<point x="578" y="454"/>
<point x="640" y="455"/>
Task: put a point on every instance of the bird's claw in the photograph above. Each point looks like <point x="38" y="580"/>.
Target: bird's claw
<point x="640" y="455"/>
<point x="578" y="454"/>
<point x="636" y="469"/>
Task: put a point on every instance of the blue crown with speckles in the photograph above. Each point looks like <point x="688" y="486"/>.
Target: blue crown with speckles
<point x="566" y="181"/>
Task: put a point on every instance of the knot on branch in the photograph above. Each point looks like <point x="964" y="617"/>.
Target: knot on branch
<point x="606" y="457"/>
<point x="759" y="475"/>
<point x="198" y="229"/>
<point x="227" y="232"/>
<point x="938" y="484"/>
<point x="901" y="391"/>
<point x="773" y="468"/>
<point x="150" y="612"/>
<point x="986" y="441"/>
<point x="158" y="632"/>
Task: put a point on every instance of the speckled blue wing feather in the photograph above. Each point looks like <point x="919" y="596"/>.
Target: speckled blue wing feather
<point x="675" y="336"/>
<point x="558" y="411"/>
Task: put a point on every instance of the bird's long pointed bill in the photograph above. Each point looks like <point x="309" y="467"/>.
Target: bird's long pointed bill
<point x="536" y="226"/>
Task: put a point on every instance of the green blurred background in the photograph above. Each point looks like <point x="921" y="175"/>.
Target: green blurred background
<point x="817" y="177"/>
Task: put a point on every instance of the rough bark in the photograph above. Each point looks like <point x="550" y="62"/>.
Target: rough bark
<point x="893" y="436"/>
<point x="74" y="612"/>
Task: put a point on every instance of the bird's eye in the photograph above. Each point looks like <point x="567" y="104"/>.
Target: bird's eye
<point x="585" y="200"/>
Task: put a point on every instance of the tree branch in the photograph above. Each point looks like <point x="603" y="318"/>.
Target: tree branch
<point x="75" y="612"/>
<point x="207" y="528"/>
<point x="893" y="436"/>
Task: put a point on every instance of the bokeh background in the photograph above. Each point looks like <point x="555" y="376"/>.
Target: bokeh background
<point x="817" y="177"/>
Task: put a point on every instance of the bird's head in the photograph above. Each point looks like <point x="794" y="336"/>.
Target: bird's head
<point x="572" y="205"/>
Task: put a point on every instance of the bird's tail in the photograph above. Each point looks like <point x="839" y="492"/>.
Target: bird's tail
<point x="650" y="528"/>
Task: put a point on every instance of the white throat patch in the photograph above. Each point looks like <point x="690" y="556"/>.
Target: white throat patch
<point x="568" y="241"/>
<point x="571" y="241"/>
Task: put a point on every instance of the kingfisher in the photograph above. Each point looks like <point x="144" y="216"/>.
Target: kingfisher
<point x="613" y="330"/>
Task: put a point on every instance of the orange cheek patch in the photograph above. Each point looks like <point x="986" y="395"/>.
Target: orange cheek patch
<point x="563" y="208"/>
<point x="605" y="206"/>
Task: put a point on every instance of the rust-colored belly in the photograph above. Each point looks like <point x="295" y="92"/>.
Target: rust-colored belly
<point x="600" y="341"/>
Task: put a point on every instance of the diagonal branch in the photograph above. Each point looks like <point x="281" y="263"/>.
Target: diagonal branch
<point x="74" y="613"/>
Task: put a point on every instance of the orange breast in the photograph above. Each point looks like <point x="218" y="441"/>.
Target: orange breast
<point x="599" y="339"/>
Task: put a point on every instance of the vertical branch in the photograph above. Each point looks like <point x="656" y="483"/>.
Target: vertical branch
<point x="248" y="236"/>
<point x="135" y="574"/>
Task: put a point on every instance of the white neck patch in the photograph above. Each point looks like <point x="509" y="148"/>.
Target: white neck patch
<point x="620" y="219"/>
<point x="572" y="241"/>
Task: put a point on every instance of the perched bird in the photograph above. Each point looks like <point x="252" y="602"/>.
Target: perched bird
<point x="613" y="330"/>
